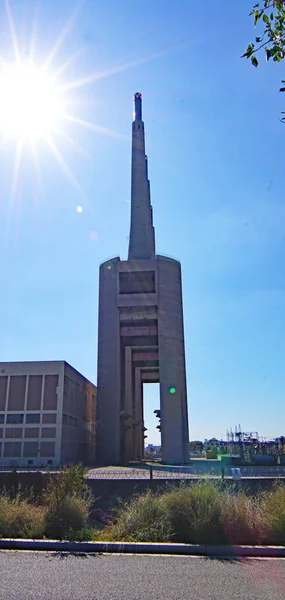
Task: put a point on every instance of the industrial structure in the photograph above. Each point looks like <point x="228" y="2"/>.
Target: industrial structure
<point x="47" y="414"/>
<point x="141" y="333"/>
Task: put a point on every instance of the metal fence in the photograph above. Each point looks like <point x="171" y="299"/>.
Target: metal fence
<point x="183" y="473"/>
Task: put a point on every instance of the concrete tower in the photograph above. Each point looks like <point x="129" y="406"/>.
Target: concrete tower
<point x="140" y="336"/>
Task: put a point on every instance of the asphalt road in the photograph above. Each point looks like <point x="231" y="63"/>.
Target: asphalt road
<point x="47" y="576"/>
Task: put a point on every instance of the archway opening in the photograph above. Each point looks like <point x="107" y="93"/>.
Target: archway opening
<point x="151" y="403"/>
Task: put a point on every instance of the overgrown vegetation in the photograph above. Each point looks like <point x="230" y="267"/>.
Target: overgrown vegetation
<point x="63" y="513"/>
<point x="202" y="513"/>
<point x="67" y="502"/>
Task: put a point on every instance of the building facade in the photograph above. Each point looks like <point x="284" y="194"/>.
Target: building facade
<point x="47" y="414"/>
<point x="140" y="334"/>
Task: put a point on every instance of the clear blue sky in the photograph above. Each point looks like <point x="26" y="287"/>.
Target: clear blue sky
<point x="216" y="164"/>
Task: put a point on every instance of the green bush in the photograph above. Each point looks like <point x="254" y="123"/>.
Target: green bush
<point x="67" y="501"/>
<point x="202" y="513"/>
<point x="272" y="508"/>
<point x="242" y="520"/>
<point x="69" y="516"/>
<point x="143" y="519"/>
<point x="194" y="513"/>
<point x="19" y="518"/>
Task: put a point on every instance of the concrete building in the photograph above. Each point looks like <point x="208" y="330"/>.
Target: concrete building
<point x="47" y="414"/>
<point x="141" y="334"/>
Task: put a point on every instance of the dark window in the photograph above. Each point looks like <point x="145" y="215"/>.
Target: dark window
<point x="15" y="418"/>
<point x="64" y="419"/>
<point x="137" y="282"/>
<point x="3" y="389"/>
<point x="2" y="418"/>
<point x="33" y="418"/>
<point x="17" y="390"/>
<point x="34" y="392"/>
<point x="32" y="432"/>
<point x="30" y="449"/>
<point x="12" y="449"/>
<point x="47" y="449"/>
<point x="49" y="418"/>
<point x="13" y="432"/>
<point x="50" y="393"/>
<point x="48" y="432"/>
<point x="30" y="462"/>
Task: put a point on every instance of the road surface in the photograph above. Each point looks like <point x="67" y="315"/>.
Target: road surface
<point x="48" y="576"/>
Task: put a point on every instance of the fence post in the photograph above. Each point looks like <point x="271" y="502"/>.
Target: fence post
<point x="151" y="473"/>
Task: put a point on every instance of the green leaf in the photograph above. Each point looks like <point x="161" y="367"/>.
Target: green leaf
<point x="254" y="61"/>
<point x="249" y="51"/>
<point x="265" y="18"/>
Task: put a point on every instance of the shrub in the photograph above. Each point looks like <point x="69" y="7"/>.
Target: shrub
<point x="143" y="519"/>
<point x="194" y="513"/>
<point x="242" y="520"/>
<point x="19" y="518"/>
<point x="272" y="506"/>
<point x="67" y="517"/>
<point x="67" y="501"/>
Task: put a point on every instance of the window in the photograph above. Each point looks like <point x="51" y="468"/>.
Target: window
<point x="137" y="282"/>
<point x="50" y="392"/>
<point x="15" y="418"/>
<point x="12" y="449"/>
<point x="49" y="418"/>
<point x="47" y="449"/>
<point x="32" y="418"/>
<point x="2" y="419"/>
<point x="30" y="449"/>
<point x="48" y="432"/>
<point x="13" y="432"/>
<point x="3" y="390"/>
<point x="16" y="399"/>
<point x="32" y="432"/>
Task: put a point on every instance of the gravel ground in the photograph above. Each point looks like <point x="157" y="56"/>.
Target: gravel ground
<point x="203" y="470"/>
<point x="48" y="576"/>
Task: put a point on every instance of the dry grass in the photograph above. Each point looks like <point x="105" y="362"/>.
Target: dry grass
<point x="203" y="513"/>
<point x="242" y="520"/>
<point x="20" y="519"/>
<point x="272" y="510"/>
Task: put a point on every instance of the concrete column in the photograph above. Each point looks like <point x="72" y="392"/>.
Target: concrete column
<point x="128" y="406"/>
<point x="138" y="431"/>
<point x="109" y="439"/>
<point x="173" y="395"/>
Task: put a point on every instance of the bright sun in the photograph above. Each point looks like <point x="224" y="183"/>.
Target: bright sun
<point x="34" y="101"/>
<point x="31" y="104"/>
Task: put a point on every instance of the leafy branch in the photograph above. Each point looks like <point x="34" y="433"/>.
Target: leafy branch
<point x="271" y="13"/>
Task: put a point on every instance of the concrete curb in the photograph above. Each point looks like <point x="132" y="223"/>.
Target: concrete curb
<point x="143" y="548"/>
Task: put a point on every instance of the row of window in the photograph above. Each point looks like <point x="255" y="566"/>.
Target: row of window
<point x="18" y="418"/>
<point x="69" y="420"/>
<point x="28" y="432"/>
<point x="27" y="449"/>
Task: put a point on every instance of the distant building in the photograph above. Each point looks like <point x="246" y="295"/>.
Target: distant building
<point x="47" y="414"/>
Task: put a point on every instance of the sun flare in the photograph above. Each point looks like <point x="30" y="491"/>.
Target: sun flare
<point x="31" y="103"/>
<point x="36" y="99"/>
